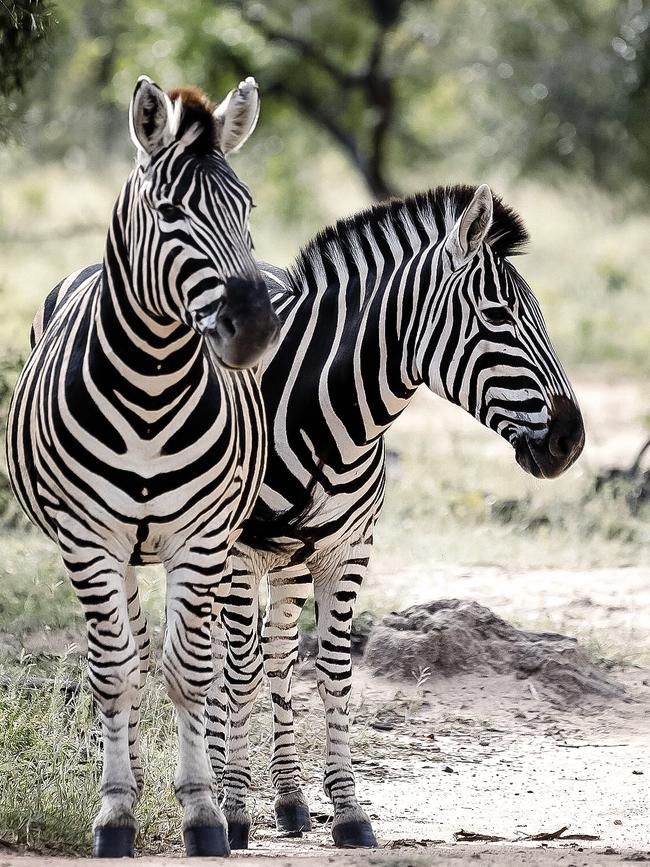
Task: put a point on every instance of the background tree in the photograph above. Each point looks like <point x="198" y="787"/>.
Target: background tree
<point x="24" y="25"/>
<point x="549" y="88"/>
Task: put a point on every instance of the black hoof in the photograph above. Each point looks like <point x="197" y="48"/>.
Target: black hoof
<point x="114" y="842"/>
<point x="292" y="819"/>
<point x="206" y="841"/>
<point x="238" y="834"/>
<point x="350" y="835"/>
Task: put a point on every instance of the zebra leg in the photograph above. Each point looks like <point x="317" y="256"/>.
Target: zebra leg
<point x="243" y="673"/>
<point x="194" y="596"/>
<point x="216" y="709"/>
<point x="114" y="676"/>
<point x="288" y="591"/>
<point x="140" y="632"/>
<point x="335" y="591"/>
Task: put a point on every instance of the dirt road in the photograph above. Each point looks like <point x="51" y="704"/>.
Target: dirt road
<point x="487" y="856"/>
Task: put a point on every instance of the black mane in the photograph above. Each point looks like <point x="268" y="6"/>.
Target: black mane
<point x="444" y="205"/>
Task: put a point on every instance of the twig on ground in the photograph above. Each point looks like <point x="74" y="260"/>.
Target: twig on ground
<point x="463" y="836"/>
<point x="559" y="835"/>
<point x="410" y="844"/>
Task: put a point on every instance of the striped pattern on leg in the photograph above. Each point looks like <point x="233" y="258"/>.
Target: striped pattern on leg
<point x="335" y="587"/>
<point x="289" y="589"/>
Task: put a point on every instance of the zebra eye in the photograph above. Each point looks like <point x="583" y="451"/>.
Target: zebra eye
<point x="170" y="212"/>
<point x="497" y="315"/>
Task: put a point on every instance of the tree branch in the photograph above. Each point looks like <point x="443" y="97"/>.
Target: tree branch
<point x="305" y="49"/>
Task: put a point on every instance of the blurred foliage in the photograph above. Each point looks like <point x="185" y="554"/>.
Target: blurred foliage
<point x="539" y="87"/>
<point x="23" y="27"/>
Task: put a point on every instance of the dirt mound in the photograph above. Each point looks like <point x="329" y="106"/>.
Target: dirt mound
<point x="450" y="636"/>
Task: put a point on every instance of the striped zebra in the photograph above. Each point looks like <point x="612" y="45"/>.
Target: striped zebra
<point x="410" y="292"/>
<point x="136" y="432"/>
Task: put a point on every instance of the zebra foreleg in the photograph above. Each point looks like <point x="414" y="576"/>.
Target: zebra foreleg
<point x="288" y="591"/>
<point x="193" y="595"/>
<point x="114" y="676"/>
<point x="140" y="632"/>
<point x="243" y="672"/>
<point x="335" y="589"/>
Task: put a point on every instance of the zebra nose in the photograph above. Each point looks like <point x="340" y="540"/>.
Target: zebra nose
<point x="566" y="435"/>
<point x="246" y="323"/>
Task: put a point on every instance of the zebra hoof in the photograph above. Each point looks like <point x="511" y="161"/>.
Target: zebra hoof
<point x="354" y="834"/>
<point x="114" y="842"/>
<point x="206" y="841"/>
<point x="238" y="834"/>
<point x="292" y="818"/>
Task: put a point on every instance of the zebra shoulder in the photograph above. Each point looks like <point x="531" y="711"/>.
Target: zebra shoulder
<point x="55" y="296"/>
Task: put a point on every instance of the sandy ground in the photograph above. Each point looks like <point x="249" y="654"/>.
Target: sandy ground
<point x="489" y="856"/>
<point x="495" y="756"/>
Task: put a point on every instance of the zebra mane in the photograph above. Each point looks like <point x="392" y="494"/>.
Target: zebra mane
<point x="433" y="212"/>
<point x="196" y="110"/>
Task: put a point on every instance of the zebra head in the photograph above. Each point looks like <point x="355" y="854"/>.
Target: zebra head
<point x="486" y="347"/>
<point x="186" y="219"/>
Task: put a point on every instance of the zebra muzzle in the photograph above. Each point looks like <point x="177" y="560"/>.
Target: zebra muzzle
<point x="240" y="325"/>
<point x="549" y="456"/>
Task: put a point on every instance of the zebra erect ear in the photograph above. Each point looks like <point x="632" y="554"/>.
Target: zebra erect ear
<point x="473" y="225"/>
<point x="237" y="116"/>
<point x="151" y="117"/>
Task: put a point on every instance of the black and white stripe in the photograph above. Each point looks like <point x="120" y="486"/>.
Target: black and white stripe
<point x="136" y="432"/>
<point x="414" y="292"/>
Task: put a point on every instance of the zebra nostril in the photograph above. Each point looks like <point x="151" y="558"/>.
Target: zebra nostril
<point x="561" y="447"/>
<point x="227" y="325"/>
<point x="566" y="434"/>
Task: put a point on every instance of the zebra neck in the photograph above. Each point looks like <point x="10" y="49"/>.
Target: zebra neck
<point x="149" y="352"/>
<point x="355" y="320"/>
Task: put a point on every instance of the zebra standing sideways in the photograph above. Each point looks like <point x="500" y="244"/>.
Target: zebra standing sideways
<point x="410" y="292"/>
<point x="136" y="434"/>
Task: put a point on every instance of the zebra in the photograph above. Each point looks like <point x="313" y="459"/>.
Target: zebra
<point x="411" y="292"/>
<point x="136" y="432"/>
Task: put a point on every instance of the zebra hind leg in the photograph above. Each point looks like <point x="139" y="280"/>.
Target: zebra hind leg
<point x="243" y="673"/>
<point x="114" y="677"/>
<point x="335" y="591"/>
<point x="288" y="591"/>
<point x="216" y="709"/>
<point x="193" y="596"/>
<point x="140" y="632"/>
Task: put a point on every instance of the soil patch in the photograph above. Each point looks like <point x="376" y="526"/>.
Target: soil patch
<point x="450" y="636"/>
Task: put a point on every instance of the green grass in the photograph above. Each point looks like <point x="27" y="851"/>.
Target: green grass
<point x="35" y="593"/>
<point x="50" y="760"/>
<point x="49" y="743"/>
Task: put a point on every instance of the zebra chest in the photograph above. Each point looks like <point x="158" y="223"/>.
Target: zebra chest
<point x="139" y="480"/>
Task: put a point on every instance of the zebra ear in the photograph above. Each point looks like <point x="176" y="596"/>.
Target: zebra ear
<point x="237" y="116"/>
<point x="150" y="117"/>
<point x="472" y="227"/>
